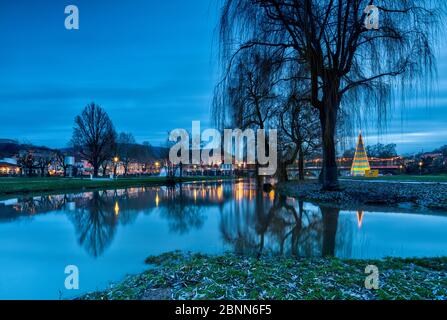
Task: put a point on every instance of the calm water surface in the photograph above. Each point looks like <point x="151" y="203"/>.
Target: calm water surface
<point x="108" y="234"/>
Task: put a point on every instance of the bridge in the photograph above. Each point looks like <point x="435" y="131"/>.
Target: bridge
<point x="388" y="165"/>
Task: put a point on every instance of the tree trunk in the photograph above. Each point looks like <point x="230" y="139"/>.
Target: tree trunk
<point x="95" y="170"/>
<point x="328" y="120"/>
<point x="301" y="165"/>
<point x="282" y="172"/>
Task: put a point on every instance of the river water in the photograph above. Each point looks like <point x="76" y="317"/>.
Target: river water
<point x="108" y="234"/>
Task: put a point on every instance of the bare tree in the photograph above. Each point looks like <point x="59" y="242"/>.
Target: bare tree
<point x="60" y="160"/>
<point x="300" y="133"/>
<point x="350" y="67"/>
<point x="263" y="90"/>
<point x="26" y="162"/>
<point x="248" y="97"/>
<point x="252" y="91"/>
<point x="42" y="161"/>
<point x="145" y="155"/>
<point x="127" y="150"/>
<point x="94" y="136"/>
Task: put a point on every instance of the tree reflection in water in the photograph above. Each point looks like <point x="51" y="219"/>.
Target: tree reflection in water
<point x="95" y="222"/>
<point x="97" y="216"/>
<point x="275" y="224"/>
<point x="251" y="221"/>
<point x="182" y="212"/>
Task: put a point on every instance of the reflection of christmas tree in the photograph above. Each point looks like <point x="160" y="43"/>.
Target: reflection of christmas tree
<point x="360" y="218"/>
<point x="360" y="164"/>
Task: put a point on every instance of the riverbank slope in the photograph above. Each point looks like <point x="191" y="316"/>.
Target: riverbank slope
<point x="196" y="276"/>
<point x="357" y="193"/>
<point x="10" y="186"/>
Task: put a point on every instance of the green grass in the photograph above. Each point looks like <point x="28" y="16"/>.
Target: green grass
<point x="196" y="276"/>
<point x="31" y="185"/>
<point x="415" y="178"/>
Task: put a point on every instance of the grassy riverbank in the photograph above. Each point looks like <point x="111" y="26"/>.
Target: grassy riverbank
<point x="181" y="276"/>
<point x="354" y="194"/>
<point x="32" y="185"/>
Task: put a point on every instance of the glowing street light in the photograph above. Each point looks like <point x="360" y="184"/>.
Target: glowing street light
<point x="115" y="160"/>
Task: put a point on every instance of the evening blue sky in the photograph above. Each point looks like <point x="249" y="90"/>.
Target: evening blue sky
<point x="151" y="64"/>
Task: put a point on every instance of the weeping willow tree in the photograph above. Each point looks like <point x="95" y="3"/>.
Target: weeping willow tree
<point x="351" y="68"/>
<point x="299" y="133"/>
<point x="249" y="97"/>
<point x="251" y="89"/>
<point x="261" y="90"/>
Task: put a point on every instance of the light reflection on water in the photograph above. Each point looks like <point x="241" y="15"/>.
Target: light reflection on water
<point x="108" y="234"/>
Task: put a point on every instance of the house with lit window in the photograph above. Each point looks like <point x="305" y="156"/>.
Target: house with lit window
<point x="9" y="167"/>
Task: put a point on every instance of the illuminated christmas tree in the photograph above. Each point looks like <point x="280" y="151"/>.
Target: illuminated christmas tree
<point x="360" y="164"/>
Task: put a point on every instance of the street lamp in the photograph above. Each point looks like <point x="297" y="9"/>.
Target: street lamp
<point x="115" y="160"/>
<point x="420" y="167"/>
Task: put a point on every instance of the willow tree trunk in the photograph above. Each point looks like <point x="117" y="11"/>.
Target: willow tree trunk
<point x="95" y="170"/>
<point x="282" y="173"/>
<point x="301" y="165"/>
<point x="328" y="121"/>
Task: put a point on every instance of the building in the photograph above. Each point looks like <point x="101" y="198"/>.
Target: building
<point x="227" y="169"/>
<point x="9" y="167"/>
